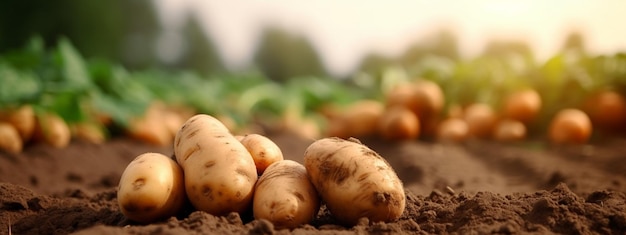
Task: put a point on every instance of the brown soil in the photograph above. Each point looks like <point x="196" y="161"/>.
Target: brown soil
<point x="475" y="188"/>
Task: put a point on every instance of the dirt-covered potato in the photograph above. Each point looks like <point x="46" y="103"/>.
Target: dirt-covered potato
<point x="10" y="139"/>
<point x="453" y="130"/>
<point x="219" y="171"/>
<point x="509" y="130"/>
<point x="399" y="123"/>
<point x="22" y="118"/>
<point x="151" y="188"/>
<point x="263" y="150"/>
<point x="354" y="181"/>
<point x="359" y="119"/>
<point x="570" y="126"/>
<point x="285" y="196"/>
<point x="480" y="119"/>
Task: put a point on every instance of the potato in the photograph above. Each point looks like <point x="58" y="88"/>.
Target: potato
<point x="354" y="181"/>
<point x="607" y="110"/>
<point x="452" y="130"/>
<point x="402" y="94"/>
<point x="153" y="127"/>
<point x="306" y="128"/>
<point x="399" y="123"/>
<point x="523" y="105"/>
<point x="149" y="131"/>
<point x="151" y="188"/>
<point x="285" y="196"/>
<point x="360" y="119"/>
<point x="88" y="131"/>
<point x="22" y="118"/>
<point x="430" y="99"/>
<point x="455" y="111"/>
<point x="570" y="126"/>
<point x="480" y="119"/>
<point x="172" y="121"/>
<point x="10" y="139"/>
<point x="52" y="130"/>
<point x="508" y="130"/>
<point x="425" y="98"/>
<point x="219" y="171"/>
<point x="263" y="150"/>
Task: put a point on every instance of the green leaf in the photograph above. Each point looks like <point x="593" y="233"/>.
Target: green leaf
<point x="73" y="67"/>
<point x="28" y="58"/>
<point x="68" y="105"/>
<point x="120" y="110"/>
<point x="17" y="87"/>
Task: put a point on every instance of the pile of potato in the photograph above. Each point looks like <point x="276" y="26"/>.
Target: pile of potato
<point x="26" y="124"/>
<point x="220" y="173"/>
<point x="20" y="125"/>
<point x="416" y="109"/>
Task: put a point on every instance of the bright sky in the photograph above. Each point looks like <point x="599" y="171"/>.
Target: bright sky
<point x="343" y="31"/>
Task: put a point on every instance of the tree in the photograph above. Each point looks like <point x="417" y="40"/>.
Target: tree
<point x="444" y="43"/>
<point x="282" y="55"/>
<point x="574" y="41"/>
<point x="374" y="63"/>
<point x="118" y="30"/>
<point x="200" y="54"/>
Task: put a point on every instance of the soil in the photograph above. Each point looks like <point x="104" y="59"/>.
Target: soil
<point x="475" y="188"/>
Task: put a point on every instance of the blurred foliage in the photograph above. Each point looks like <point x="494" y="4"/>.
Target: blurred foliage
<point x="60" y="80"/>
<point x="50" y="71"/>
<point x="282" y="55"/>
<point x="443" y="43"/>
<point x="200" y="53"/>
<point x="117" y="30"/>
<point x="375" y="63"/>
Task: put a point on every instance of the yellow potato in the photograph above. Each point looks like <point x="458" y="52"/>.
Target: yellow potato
<point x="22" y="118"/>
<point x="425" y="98"/>
<point x="285" y="196"/>
<point x="89" y="131"/>
<point x="53" y="130"/>
<point x="570" y="126"/>
<point x="263" y="150"/>
<point x="509" y="130"/>
<point x="10" y="139"/>
<point x="360" y="119"/>
<point x="354" y="181"/>
<point x="452" y="130"/>
<point x="151" y="188"/>
<point x="399" y="123"/>
<point x="480" y="119"/>
<point x="523" y="105"/>
<point x="219" y="171"/>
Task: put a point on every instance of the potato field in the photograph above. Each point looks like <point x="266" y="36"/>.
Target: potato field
<point x="497" y="144"/>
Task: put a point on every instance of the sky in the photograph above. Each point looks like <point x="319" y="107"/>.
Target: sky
<point x="343" y="31"/>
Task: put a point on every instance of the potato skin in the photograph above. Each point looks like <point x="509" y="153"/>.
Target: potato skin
<point x="219" y="172"/>
<point x="151" y="188"/>
<point x="480" y="119"/>
<point x="399" y="123"/>
<point x="359" y="119"/>
<point x="22" y="118"/>
<point x="285" y="196"/>
<point x="52" y="130"/>
<point x="10" y="139"/>
<point x="354" y="181"/>
<point x="570" y="126"/>
<point x="509" y="130"/>
<point x="263" y="150"/>
<point x="453" y="130"/>
<point x="523" y="105"/>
